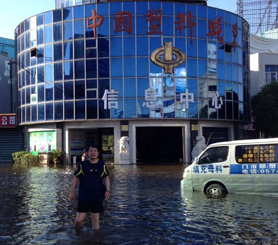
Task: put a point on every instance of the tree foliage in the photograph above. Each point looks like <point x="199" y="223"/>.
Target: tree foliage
<point x="265" y="110"/>
<point x="107" y="142"/>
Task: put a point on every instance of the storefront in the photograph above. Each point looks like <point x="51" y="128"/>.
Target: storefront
<point x="158" y="72"/>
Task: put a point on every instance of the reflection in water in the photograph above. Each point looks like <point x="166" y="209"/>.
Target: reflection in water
<point x="40" y="201"/>
<point x="238" y="219"/>
<point x="146" y="207"/>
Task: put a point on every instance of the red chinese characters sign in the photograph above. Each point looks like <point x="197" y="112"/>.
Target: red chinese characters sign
<point x="94" y="21"/>
<point x="154" y="18"/>
<point x="189" y="23"/>
<point x="123" y="22"/>
<point x="234" y="35"/>
<point x="215" y="29"/>
<point x="7" y="120"/>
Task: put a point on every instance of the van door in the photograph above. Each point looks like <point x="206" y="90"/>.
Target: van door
<point x="243" y="168"/>
<point x="256" y="166"/>
<point x="266" y="180"/>
<point x="213" y="165"/>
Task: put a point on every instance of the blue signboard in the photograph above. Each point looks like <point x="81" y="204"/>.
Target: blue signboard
<point x="260" y="168"/>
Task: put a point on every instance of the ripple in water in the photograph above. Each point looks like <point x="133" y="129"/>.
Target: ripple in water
<point x="146" y="207"/>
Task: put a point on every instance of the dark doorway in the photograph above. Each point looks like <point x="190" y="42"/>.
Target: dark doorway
<point x="106" y="144"/>
<point x="214" y="135"/>
<point x="159" y="144"/>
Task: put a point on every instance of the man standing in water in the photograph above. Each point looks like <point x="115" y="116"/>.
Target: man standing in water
<point x="92" y="174"/>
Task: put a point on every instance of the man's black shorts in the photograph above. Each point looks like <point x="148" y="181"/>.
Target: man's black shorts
<point x="93" y="207"/>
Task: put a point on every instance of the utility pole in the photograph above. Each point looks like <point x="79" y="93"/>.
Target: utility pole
<point x="239" y="8"/>
<point x="11" y="85"/>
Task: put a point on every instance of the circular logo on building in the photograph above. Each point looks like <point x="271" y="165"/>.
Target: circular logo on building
<point x="168" y="57"/>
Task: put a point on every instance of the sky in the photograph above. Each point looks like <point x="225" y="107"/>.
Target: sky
<point x="13" y="12"/>
<point x="229" y="5"/>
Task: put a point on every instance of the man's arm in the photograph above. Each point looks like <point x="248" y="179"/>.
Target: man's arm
<point x="72" y="188"/>
<point x="107" y="185"/>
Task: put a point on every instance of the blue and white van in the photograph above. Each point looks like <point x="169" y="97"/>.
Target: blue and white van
<point x="241" y="166"/>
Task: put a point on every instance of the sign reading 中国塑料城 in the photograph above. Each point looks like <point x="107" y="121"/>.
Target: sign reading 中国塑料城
<point x="260" y="168"/>
<point x="123" y="22"/>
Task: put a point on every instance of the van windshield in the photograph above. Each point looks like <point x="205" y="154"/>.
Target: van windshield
<point x="215" y="154"/>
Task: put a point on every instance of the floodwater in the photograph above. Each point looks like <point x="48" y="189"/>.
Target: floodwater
<point x="146" y="207"/>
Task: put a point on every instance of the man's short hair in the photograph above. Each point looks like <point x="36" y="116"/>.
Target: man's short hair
<point x="94" y="146"/>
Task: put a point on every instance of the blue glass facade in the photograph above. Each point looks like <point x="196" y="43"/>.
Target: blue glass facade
<point x="155" y="71"/>
<point x="7" y="47"/>
<point x="71" y="59"/>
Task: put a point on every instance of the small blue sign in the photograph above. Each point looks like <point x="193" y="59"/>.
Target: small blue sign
<point x="260" y="168"/>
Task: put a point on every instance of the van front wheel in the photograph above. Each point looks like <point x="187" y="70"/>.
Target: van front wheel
<point x="216" y="190"/>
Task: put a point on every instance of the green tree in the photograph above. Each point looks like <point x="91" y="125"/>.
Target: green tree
<point x="265" y="110"/>
<point x="107" y="142"/>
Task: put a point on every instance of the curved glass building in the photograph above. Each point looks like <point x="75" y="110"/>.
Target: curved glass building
<point x="158" y="72"/>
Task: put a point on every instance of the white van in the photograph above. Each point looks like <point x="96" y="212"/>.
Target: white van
<point x="240" y="166"/>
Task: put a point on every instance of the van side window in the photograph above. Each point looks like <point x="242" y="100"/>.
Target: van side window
<point x="215" y="154"/>
<point x="257" y="153"/>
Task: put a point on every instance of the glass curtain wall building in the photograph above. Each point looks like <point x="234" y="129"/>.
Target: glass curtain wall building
<point x="158" y="72"/>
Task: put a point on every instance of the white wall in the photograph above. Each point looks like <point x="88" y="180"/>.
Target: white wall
<point x="257" y="70"/>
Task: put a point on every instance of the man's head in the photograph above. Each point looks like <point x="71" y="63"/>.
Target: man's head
<point x="93" y="152"/>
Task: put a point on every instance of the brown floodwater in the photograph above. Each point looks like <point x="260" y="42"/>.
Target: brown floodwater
<point x="146" y="207"/>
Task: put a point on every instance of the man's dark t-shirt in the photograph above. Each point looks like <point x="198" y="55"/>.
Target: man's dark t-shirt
<point x="91" y="175"/>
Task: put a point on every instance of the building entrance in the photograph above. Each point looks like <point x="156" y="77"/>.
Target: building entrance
<point x="102" y="137"/>
<point x="106" y="144"/>
<point x="159" y="144"/>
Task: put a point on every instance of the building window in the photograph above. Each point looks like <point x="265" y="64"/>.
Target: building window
<point x="271" y="73"/>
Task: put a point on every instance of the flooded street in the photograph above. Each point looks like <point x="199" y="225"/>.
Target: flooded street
<point x="146" y="207"/>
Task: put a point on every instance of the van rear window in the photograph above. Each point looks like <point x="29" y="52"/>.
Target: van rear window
<point x="257" y="153"/>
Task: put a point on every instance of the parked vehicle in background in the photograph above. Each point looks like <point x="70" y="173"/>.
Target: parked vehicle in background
<point x="241" y="166"/>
